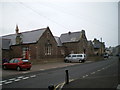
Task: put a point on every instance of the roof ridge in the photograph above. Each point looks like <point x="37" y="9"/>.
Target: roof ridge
<point x="71" y="32"/>
<point x="25" y="32"/>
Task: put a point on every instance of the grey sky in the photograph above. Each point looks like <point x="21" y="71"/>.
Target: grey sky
<point x="98" y="19"/>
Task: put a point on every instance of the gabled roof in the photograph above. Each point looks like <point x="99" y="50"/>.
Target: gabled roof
<point x="27" y="37"/>
<point x="59" y="43"/>
<point x="70" y="37"/>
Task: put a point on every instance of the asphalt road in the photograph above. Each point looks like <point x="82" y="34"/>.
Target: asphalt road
<point x="45" y="78"/>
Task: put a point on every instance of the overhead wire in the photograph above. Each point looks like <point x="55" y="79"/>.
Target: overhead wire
<point x="42" y="15"/>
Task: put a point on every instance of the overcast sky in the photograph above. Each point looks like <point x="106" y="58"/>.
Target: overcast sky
<point x="98" y="19"/>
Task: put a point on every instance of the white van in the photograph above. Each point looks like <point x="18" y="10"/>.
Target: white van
<point x="75" y="58"/>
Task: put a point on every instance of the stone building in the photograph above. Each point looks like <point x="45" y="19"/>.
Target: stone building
<point x="41" y="45"/>
<point x="74" y="42"/>
<point x="99" y="47"/>
<point x="34" y="45"/>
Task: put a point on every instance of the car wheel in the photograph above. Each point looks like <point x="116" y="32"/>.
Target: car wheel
<point x="18" y="68"/>
<point x="4" y="67"/>
<point x="80" y="61"/>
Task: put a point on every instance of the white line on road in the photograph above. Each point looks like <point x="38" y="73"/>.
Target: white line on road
<point x="62" y="85"/>
<point x="42" y="69"/>
<point x="103" y="68"/>
<point x="25" y="72"/>
<point x="33" y="76"/>
<point x="93" y="73"/>
<point x="84" y="76"/>
<point x="0" y="84"/>
<point x="72" y="80"/>
<point x="21" y="77"/>
<point x="98" y="70"/>
<point x="3" y="81"/>
<point x="12" y="79"/>
<point x="8" y="82"/>
<point x="17" y="80"/>
<point x="25" y="77"/>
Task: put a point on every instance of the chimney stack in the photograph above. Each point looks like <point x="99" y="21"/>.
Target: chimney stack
<point x="17" y="29"/>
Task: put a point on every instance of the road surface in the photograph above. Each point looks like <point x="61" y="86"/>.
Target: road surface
<point x="42" y="79"/>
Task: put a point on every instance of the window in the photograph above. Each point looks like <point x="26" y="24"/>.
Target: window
<point x="79" y="55"/>
<point x="16" y="61"/>
<point x="25" y="60"/>
<point x="74" y="56"/>
<point x="48" y="49"/>
<point x="11" y="61"/>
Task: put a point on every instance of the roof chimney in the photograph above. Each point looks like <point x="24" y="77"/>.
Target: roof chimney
<point x="69" y="32"/>
<point x="17" y="29"/>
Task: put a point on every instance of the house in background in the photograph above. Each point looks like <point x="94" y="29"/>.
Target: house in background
<point x="34" y="45"/>
<point x="75" y="42"/>
<point x="99" y="47"/>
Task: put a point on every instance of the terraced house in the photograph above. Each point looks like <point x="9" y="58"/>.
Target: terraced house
<point x="41" y="45"/>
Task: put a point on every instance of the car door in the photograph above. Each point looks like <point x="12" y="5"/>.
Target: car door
<point x="73" y="58"/>
<point x="10" y="64"/>
<point x="15" y="63"/>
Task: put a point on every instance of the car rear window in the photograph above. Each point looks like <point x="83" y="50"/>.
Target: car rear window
<point x="25" y="60"/>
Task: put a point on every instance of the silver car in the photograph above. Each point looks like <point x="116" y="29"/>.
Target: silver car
<point x="75" y="58"/>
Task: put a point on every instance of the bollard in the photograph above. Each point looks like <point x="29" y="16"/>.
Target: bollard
<point x="51" y="87"/>
<point x="67" y="77"/>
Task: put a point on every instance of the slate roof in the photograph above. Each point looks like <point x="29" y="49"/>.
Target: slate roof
<point x="59" y="43"/>
<point x="97" y="45"/>
<point x="27" y="37"/>
<point x="70" y="37"/>
<point x="6" y="43"/>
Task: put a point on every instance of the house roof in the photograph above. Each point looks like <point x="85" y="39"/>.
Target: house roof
<point x="70" y="37"/>
<point x="27" y="37"/>
<point x="5" y="43"/>
<point x="59" y="43"/>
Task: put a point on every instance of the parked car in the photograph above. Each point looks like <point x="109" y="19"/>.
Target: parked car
<point x="18" y="64"/>
<point x="106" y="55"/>
<point x="75" y="58"/>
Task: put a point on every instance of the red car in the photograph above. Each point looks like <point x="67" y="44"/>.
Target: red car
<point x="18" y="64"/>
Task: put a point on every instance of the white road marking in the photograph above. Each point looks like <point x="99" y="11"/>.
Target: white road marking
<point x="84" y="76"/>
<point x="93" y="73"/>
<point x="62" y="85"/>
<point x="17" y="80"/>
<point x="3" y="81"/>
<point x="25" y="72"/>
<point x="72" y="80"/>
<point x="8" y="82"/>
<point x="12" y="79"/>
<point x="54" y="67"/>
<point x="42" y="69"/>
<point x="0" y="84"/>
<point x="98" y="70"/>
<point x="118" y="87"/>
<point x="25" y="77"/>
<point x="21" y="77"/>
<point x="33" y="76"/>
